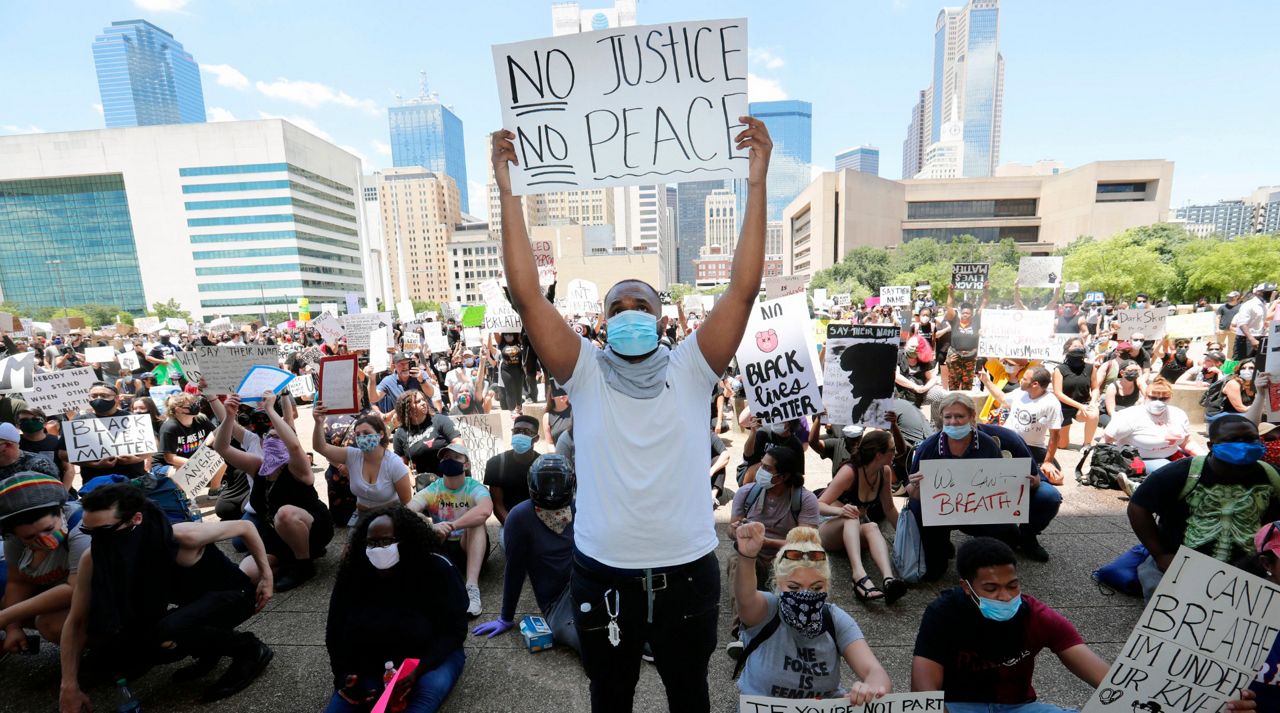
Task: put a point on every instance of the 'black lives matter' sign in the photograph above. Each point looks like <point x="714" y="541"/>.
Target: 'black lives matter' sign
<point x="625" y="106"/>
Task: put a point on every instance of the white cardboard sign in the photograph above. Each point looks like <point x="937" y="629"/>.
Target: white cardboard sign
<point x="128" y="360"/>
<point x="483" y="434"/>
<point x="200" y="469"/>
<point x="591" y="109"/>
<point x="303" y="386"/>
<point x="1150" y="323"/>
<point x="360" y="324"/>
<point x="1203" y="637"/>
<point x="783" y="285"/>
<point x="1196" y="324"/>
<point x="99" y="355"/>
<point x="1018" y="334"/>
<point x="1273" y="356"/>
<point x="17" y="373"/>
<point x="895" y="296"/>
<point x="544" y="257"/>
<point x="224" y="367"/>
<point x="91" y="439"/>
<point x="858" y="366"/>
<point x="778" y="373"/>
<point x="329" y="327"/>
<point x="1040" y="271"/>
<point x="975" y="491"/>
<point x="379" y="359"/>
<point x="499" y="315"/>
<point x="928" y="702"/>
<point x="583" y="297"/>
<point x="62" y="390"/>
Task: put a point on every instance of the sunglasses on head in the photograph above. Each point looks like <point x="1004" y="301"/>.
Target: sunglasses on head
<point x="810" y="555"/>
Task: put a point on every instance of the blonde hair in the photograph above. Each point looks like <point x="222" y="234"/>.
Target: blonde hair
<point x="802" y="539"/>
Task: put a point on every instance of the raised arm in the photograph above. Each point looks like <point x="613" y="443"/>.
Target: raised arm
<point x="1017" y="297"/>
<point x="951" y="303"/>
<point x="720" y="333"/>
<point x="752" y="606"/>
<point x="299" y="463"/>
<point x="331" y="453"/>
<point x="556" y="344"/>
<point x="247" y="462"/>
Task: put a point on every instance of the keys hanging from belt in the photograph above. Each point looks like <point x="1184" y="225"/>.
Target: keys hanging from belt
<point x="611" y="608"/>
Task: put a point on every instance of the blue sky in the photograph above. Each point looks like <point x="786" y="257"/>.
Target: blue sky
<point x="1184" y="80"/>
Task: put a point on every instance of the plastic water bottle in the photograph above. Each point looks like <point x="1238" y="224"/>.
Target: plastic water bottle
<point x="128" y="703"/>
<point x="388" y="674"/>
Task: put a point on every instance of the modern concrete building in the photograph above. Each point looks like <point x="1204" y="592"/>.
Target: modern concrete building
<point x="145" y="77"/>
<point x="474" y="257"/>
<point x="773" y="239"/>
<point x="1257" y="213"/>
<point x="691" y="198"/>
<point x="226" y="218"/>
<point x="419" y="212"/>
<point x="841" y="211"/>
<point x="860" y="158"/>
<point x="574" y="260"/>
<point x="719" y="220"/>
<point x="377" y="275"/>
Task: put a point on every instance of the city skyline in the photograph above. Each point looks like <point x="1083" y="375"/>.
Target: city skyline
<point x="1062" y="105"/>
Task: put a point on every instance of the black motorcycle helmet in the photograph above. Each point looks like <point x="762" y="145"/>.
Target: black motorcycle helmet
<point x="552" y="483"/>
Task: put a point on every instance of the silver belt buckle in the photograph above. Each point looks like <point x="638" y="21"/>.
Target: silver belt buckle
<point x="652" y="584"/>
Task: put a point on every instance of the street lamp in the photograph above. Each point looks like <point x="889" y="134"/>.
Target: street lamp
<point x="58" y="276"/>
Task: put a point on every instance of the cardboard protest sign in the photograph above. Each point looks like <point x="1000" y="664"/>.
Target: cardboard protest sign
<point x="379" y="359"/>
<point x="303" y="386"/>
<point x="329" y="327"/>
<point x="583" y="297"/>
<point x="358" y="326"/>
<point x="200" y="469"/>
<point x="544" y="257"/>
<point x="471" y="336"/>
<point x="591" y="110"/>
<point x="17" y="373"/>
<point x="928" y="702"/>
<point x="330" y="308"/>
<point x="858" y="367"/>
<point x="896" y="295"/>
<point x="819" y="295"/>
<point x="128" y="360"/>
<point x="412" y="342"/>
<point x="1040" y="271"/>
<point x="337" y="384"/>
<point x="1017" y="334"/>
<point x="260" y="379"/>
<point x="1272" y="356"/>
<point x="783" y="285"/>
<point x="1196" y="324"/>
<point x="190" y="365"/>
<point x="28" y="328"/>
<point x="975" y="491"/>
<point x="353" y="303"/>
<point x="6" y="322"/>
<point x="62" y="390"/>
<point x="99" y="355"/>
<point x="499" y="315"/>
<point x="1095" y="297"/>
<point x="473" y="316"/>
<point x="1071" y="288"/>
<point x="483" y="434"/>
<point x="844" y="299"/>
<point x="90" y="439"/>
<point x="1203" y="637"/>
<point x="146" y="325"/>
<point x="1150" y="323"/>
<point x="774" y="358"/>
<point x="436" y="343"/>
<point x="404" y="310"/>
<point x="969" y="276"/>
<point x="60" y="325"/>
<point x="223" y="367"/>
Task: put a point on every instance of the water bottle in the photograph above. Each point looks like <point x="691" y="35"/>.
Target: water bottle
<point x="388" y="674"/>
<point x="128" y="703"/>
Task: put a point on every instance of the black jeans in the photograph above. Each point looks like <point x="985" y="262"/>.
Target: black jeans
<point x="201" y="628"/>
<point x="682" y="635"/>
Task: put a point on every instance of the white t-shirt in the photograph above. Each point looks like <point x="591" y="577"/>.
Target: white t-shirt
<point x="642" y="464"/>
<point x="1033" y="418"/>
<point x="1134" y="427"/>
<point x="383" y="490"/>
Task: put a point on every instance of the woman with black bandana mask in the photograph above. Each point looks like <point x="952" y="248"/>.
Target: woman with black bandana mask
<point x="796" y="617"/>
<point x="1076" y="388"/>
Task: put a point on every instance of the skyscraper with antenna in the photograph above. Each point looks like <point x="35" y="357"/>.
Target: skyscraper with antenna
<point x="427" y="133"/>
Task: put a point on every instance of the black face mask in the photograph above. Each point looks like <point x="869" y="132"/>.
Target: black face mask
<point x="102" y="405"/>
<point x="193" y="410"/>
<point x="1130" y="377"/>
<point x="31" y="425"/>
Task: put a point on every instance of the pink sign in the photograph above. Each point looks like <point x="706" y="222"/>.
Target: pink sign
<point x="406" y="668"/>
<point x="871" y="302"/>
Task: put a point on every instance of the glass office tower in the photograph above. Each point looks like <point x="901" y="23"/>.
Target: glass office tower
<point x="426" y="133"/>
<point x="145" y="77"/>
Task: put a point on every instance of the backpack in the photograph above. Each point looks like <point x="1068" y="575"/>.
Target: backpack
<point x="908" y="549"/>
<point x="1109" y="462"/>
<point x="1121" y="574"/>
<point x="797" y="500"/>
<point x="160" y="490"/>
<point x="828" y="627"/>
<point x="1213" y="400"/>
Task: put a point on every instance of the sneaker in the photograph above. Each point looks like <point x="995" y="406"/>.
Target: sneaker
<point x="251" y="657"/>
<point x="734" y="649"/>
<point x="646" y="653"/>
<point x="1032" y="548"/>
<point x="473" y="596"/>
<point x="295" y="575"/>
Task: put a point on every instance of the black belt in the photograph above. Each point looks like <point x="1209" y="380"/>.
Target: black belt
<point x="649" y="580"/>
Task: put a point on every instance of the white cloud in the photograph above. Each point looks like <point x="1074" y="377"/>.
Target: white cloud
<point x="98" y="108"/>
<point x="226" y="75"/>
<point x="382" y="147"/>
<point x="765" y="58"/>
<point x="217" y="113"/>
<point x="314" y="94"/>
<point x="15" y="129"/>
<point x="763" y="89"/>
<point x="161" y="5"/>
<point x="479" y="199"/>
<point x="312" y="127"/>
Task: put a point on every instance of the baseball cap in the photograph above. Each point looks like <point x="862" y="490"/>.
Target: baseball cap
<point x="29" y="491"/>
<point x="456" y="448"/>
<point x="9" y="432"/>
<point x="403" y="356"/>
<point x="1233" y="293"/>
<point x="163" y="333"/>
<point x="1124" y="346"/>
<point x="1265" y="428"/>
<point x="852" y="431"/>
<point x="1268" y="539"/>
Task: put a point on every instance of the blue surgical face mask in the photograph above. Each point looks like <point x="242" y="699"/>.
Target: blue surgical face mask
<point x="994" y="609"/>
<point x="633" y="333"/>
<point x="764" y="478"/>
<point x="1238" y="453"/>
<point x="958" y="432"/>
<point x="521" y="443"/>
<point x="367" y="441"/>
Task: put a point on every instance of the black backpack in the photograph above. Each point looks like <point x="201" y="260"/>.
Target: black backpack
<point x="1107" y="462"/>
<point x="1213" y="400"/>
<point x="828" y="627"/>
<point x="797" y="500"/>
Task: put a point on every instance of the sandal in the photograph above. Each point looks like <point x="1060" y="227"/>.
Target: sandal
<point x="866" y="591"/>
<point x="894" y="589"/>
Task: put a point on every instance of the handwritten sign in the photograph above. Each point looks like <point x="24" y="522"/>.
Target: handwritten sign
<point x="1273" y="357"/>
<point x="1196" y="324"/>
<point x="774" y="356"/>
<point x="544" y="257"/>
<point x="783" y="285"/>
<point x="928" y="702"/>
<point x="223" y="367"/>
<point x="1040" y="271"/>
<point x="128" y="360"/>
<point x="975" y="491"/>
<point x="62" y="390"/>
<point x="583" y="297"/>
<point x="895" y="295"/>
<point x="17" y="373"/>
<point x="1150" y="323"/>
<point x="843" y="299"/>
<point x="338" y="384"/>
<point x="329" y="327"/>
<point x="379" y="359"/>
<point x="90" y="439"/>
<point x="1018" y="334"/>
<point x="591" y="109"/>
<point x="1202" y="638"/>
<point x="499" y="315"/>
<point x="260" y="379"/>
<point x="303" y="387"/>
<point x="6" y="322"/>
<point x="482" y="432"/>
<point x="99" y="355"/>
<point x="200" y="469"/>
<point x="969" y="276"/>
<point x="858" y="367"/>
<point x="359" y="325"/>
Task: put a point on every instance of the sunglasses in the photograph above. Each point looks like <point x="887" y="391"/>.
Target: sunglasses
<point x="102" y="530"/>
<point x="1160" y="398"/>
<point x="810" y="555"/>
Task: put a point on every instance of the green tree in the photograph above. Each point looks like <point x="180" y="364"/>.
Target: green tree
<point x="679" y="291"/>
<point x="1237" y="264"/>
<point x="100" y="314"/>
<point x="1119" y="268"/>
<point x="424" y="306"/>
<point x="44" y="314"/>
<point x="165" y="310"/>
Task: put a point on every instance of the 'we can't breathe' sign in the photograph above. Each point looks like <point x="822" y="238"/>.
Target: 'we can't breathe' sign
<point x="625" y="106"/>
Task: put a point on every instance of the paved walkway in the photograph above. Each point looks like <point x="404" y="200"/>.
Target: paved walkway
<point x="501" y="676"/>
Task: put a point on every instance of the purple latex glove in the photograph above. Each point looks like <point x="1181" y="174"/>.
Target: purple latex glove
<point x="493" y="628"/>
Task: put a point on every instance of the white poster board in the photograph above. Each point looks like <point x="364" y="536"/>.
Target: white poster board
<point x="1196" y="324"/>
<point x="92" y="439"/>
<point x="302" y="387"/>
<point x="471" y="337"/>
<point x="17" y="373"/>
<point x="223" y="367"/>
<point x="583" y="297"/>
<point x="929" y="702"/>
<point x="260" y="379"/>
<point x="128" y="360"/>
<point x="1150" y="323"/>
<point x="783" y="285"/>
<point x="895" y="296"/>
<point x="975" y="491"/>
<point x="1273" y="356"/>
<point x="190" y="365"/>
<point x="200" y="469"/>
<point x="589" y="112"/>
<point x="62" y="390"/>
<point x="1017" y="334"/>
<point x="544" y="257"/>
<point x="843" y="299"/>
<point x="358" y="326"/>
<point x="337" y="384"/>
<point x="404" y="310"/>
<point x="1040" y="271"/>
<point x="483" y="434"/>
<point x="499" y="315"/>
<point x="99" y="355"/>
<point x="329" y="327"/>
<point x="1204" y="636"/>
<point x="436" y="343"/>
<point x="378" y="357"/>
<point x="778" y="373"/>
<point x="858" y="366"/>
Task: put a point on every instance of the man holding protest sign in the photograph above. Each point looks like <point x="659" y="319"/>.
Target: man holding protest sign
<point x="644" y="567"/>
